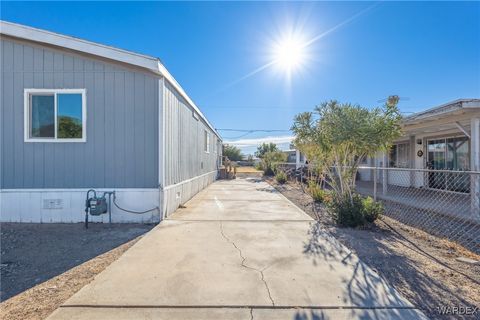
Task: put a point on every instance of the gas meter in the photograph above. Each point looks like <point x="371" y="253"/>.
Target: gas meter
<point x="95" y="205"/>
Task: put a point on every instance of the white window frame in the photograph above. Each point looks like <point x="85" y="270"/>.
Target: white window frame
<point x="406" y="143"/>
<point x="26" y="112"/>
<point x="207" y="141"/>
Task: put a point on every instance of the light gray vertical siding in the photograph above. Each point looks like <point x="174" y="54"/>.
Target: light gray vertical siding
<point x="122" y="122"/>
<point x="185" y="157"/>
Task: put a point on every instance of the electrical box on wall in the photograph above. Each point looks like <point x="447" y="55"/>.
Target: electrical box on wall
<point x="52" y="203"/>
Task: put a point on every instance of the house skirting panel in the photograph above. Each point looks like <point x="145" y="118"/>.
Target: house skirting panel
<point x="68" y="205"/>
<point x="180" y="193"/>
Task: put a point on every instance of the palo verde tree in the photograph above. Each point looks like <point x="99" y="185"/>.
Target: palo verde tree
<point x="271" y="156"/>
<point x="233" y="153"/>
<point x="336" y="137"/>
<point x="264" y="148"/>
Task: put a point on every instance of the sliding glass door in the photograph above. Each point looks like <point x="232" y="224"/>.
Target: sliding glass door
<point x="436" y="161"/>
<point x="458" y="159"/>
<point x="448" y="154"/>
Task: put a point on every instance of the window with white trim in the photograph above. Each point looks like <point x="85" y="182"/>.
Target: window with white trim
<point x="399" y="155"/>
<point x="55" y="115"/>
<point x="206" y="141"/>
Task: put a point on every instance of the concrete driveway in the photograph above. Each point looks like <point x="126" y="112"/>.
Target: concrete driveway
<point x="239" y="250"/>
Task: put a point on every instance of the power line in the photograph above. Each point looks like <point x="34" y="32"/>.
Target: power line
<point x="282" y="108"/>
<point x="253" y="130"/>
<point x="238" y="137"/>
<point x="254" y="107"/>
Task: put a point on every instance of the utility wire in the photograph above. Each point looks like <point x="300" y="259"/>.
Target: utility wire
<point x="240" y="136"/>
<point x="253" y="130"/>
<point x="282" y="108"/>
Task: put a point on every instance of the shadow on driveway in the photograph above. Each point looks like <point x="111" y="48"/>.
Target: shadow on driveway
<point x="424" y="291"/>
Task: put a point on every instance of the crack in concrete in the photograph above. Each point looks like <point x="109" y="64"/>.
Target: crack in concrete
<point x="251" y="313"/>
<point x="246" y="266"/>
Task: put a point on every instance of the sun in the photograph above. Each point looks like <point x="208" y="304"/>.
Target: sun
<point x="289" y="53"/>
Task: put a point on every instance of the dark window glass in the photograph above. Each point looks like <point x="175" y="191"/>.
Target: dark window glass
<point x="42" y="116"/>
<point x="69" y="115"/>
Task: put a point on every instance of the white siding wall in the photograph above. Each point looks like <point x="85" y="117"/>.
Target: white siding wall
<point x="26" y="205"/>
<point x="188" y="168"/>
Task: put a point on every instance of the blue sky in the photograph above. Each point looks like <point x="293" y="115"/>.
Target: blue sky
<point x="427" y="52"/>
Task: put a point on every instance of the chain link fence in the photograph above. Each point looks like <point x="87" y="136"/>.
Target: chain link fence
<point x="444" y="203"/>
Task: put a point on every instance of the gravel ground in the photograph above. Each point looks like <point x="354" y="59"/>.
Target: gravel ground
<point x="420" y="266"/>
<point x="42" y="265"/>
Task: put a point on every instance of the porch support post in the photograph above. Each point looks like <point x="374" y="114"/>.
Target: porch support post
<point x="297" y="159"/>
<point x="412" y="160"/>
<point x="372" y="164"/>
<point x="475" y="166"/>
<point x="385" y="173"/>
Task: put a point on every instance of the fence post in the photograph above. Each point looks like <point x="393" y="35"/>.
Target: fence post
<point x="385" y="173"/>
<point x="375" y="183"/>
<point x="475" y="166"/>
<point x="297" y="159"/>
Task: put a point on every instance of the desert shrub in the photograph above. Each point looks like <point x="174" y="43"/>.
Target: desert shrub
<point x="347" y="212"/>
<point x="268" y="171"/>
<point x="270" y="162"/>
<point x="372" y="209"/>
<point x="355" y="212"/>
<point x="281" y="177"/>
<point x="317" y="193"/>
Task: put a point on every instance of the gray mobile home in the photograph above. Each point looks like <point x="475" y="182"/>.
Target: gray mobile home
<point x="77" y="115"/>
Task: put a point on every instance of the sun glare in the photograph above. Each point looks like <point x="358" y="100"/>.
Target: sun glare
<point x="289" y="53"/>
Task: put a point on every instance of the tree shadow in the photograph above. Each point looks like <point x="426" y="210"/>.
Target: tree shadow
<point x="379" y="268"/>
<point x="310" y="315"/>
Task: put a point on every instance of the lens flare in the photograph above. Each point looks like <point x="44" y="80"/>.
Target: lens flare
<point x="289" y="53"/>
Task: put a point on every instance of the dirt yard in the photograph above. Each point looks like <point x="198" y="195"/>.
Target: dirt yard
<point x="250" y="169"/>
<point x="422" y="267"/>
<point x="42" y="265"/>
<point x="243" y="172"/>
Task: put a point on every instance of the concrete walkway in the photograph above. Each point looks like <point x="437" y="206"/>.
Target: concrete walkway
<point x="239" y="250"/>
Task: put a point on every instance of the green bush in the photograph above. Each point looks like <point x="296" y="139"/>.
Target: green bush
<point x="372" y="209"/>
<point x="347" y="213"/>
<point x="281" y="177"/>
<point x="317" y="193"/>
<point x="355" y="213"/>
<point x="270" y="162"/>
<point x="268" y="171"/>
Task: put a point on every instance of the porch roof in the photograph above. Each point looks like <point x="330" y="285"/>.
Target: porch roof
<point x="452" y="116"/>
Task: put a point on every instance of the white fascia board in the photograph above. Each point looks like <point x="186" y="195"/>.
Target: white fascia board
<point x="55" y="39"/>
<point x="43" y="36"/>
<point x="473" y="104"/>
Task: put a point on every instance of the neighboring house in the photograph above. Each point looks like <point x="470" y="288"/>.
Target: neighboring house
<point x="77" y="115"/>
<point x="446" y="137"/>
<point x="294" y="156"/>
